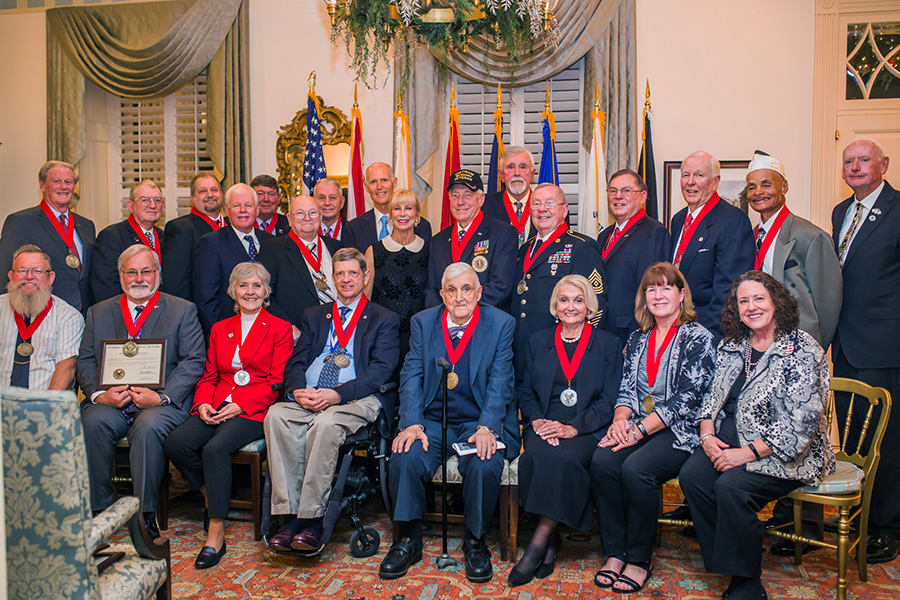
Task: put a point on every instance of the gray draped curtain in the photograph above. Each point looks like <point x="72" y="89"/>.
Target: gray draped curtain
<point x="150" y="50"/>
<point x="601" y="31"/>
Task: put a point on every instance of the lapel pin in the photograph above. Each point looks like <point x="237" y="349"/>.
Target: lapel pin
<point x="699" y="239"/>
<point x="872" y="218"/>
<point x="876" y="211"/>
<point x="231" y="335"/>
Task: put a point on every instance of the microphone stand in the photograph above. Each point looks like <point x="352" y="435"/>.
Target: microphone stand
<point x="444" y="561"/>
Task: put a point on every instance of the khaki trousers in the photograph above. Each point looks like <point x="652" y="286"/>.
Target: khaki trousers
<point x="303" y="451"/>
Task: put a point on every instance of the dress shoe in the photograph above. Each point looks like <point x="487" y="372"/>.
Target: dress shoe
<point x="478" y="561"/>
<point x="751" y="590"/>
<point x="786" y="548"/>
<point x="307" y="540"/>
<point x="882" y="548"/>
<point x="209" y="557"/>
<point x="152" y="529"/>
<point x="545" y="569"/>
<point x="281" y="541"/>
<point x="403" y="554"/>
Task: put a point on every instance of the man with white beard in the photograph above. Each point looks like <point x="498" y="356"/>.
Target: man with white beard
<point x="145" y="415"/>
<point x="39" y="332"/>
<point x="513" y="205"/>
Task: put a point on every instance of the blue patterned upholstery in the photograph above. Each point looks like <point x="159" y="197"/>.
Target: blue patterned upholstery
<point x="254" y="446"/>
<point x="50" y="534"/>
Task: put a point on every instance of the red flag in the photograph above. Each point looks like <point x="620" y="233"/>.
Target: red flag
<point x="356" y="195"/>
<point x="452" y="164"/>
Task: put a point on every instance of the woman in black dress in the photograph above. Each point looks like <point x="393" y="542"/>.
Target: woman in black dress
<point x="399" y="265"/>
<point x="567" y="396"/>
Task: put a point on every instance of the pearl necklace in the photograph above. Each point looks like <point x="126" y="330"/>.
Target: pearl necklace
<point x="570" y="340"/>
<point x="748" y="351"/>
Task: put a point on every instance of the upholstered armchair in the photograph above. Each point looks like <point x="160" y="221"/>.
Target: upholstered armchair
<point x="54" y="549"/>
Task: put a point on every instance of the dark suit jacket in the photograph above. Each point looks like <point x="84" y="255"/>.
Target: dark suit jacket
<point x="869" y="327"/>
<point x="376" y="351"/>
<point x="31" y="226"/>
<point x="282" y="226"/>
<point x="179" y="247"/>
<point x="361" y="233"/>
<point x="216" y="256"/>
<point x="110" y="244"/>
<point x="570" y="254"/>
<point x="495" y="208"/>
<point x="596" y="381"/>
<point x="293" y="289"/>
<point x="342" y="233"/>
<point x="722" y="248"/>
<point x="645" y="243"/>
<point x="490" y="371"/>
<point x="497" y="280"/>
<point x="172" y="319"/>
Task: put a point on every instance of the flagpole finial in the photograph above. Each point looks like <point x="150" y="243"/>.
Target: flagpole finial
<point x="355" y="95"/>
<point x="647" y="97"/>
<point x="452" y="95"/>
<point x="499" y="98"/>
<point x="597" y="97"/>
<point x="312" y="82"/>
<point x="547" y="101"/>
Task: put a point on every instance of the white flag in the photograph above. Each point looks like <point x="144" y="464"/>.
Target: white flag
<point x="401" y="151"/>
<point x="592" y="209"/>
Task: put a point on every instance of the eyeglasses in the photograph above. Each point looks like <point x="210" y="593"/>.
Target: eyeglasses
<point x="145" y="273"/>
<point x="547" y="204"/>
<point x="301" y="214"/>
<point x="623" y="191"/>
<point x="144" y="201"/>
<point x="37" y="271"/>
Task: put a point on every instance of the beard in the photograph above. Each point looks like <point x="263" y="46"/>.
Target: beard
<point x="28" y="305"/>
<point x="142" y="291"/>
<point x="517" y="185"/>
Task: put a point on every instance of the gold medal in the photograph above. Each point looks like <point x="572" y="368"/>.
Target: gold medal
<point x="452" y="380"/>
<point x="242" y="378"/>
<point x="72" y="261"/>
<point x="322" y="284"/>
<point x="342" y="361"/>
<point x="25" y="349"/>
<point x="480" y="263"/>
<point x="647" y="404"/>
<point x="130" y="348"/>
<point x="522" y="287"/>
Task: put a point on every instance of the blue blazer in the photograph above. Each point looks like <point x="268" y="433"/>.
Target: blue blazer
<point x="502" y="243"/>
<point x="360" y="232"/>
<point x="645" y="243"/>
<point x="104" y="265"/>
<point x="596" y="381"/>
<point x="376" y="351"/>
<point x="217" y="254"/>
<point x="722" y="248"/>
<point x="490" y="371"/>
<point x="282" y="226"/>
<point x="179" y="247"/>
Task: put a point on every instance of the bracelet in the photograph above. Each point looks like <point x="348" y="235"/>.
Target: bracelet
<point x="755" y="451"/>
<point x="635" y="436"/>
<point x="705" y="436"/>
<point x="640" y="426"/>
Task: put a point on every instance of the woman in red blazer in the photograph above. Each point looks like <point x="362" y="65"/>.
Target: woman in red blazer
<point x="247" y="354"/>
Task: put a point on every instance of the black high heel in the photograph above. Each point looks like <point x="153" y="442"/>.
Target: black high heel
<point x="545" y="569"/>
<point x="518" y="576"/>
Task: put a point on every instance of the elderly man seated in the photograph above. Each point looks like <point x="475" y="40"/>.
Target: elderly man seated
<point x="348" y="349"/>
<point x="477" y="341"/>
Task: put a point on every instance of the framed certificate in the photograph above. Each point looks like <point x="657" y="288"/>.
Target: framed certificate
<point x="132" y="362"/>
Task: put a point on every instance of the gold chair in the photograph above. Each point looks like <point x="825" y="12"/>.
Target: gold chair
<point x="849" y="489"/>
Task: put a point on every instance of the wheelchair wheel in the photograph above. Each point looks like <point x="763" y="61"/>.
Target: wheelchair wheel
<point x="365" y="544"/>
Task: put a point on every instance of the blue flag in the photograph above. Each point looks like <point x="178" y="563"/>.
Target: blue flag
<point x="494" y="183"/>
<point x="549" y="172"/>
<point x="314" y="160"/>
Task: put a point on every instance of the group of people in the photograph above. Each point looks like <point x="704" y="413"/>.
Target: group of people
<point x="632" y="359"/>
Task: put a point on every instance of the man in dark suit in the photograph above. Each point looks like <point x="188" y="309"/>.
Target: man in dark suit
<point x="299" y="264"/>
<point x="67" y="238"/>
<point x="268" y="199"/>
<point x="554" y="252"/>
<point x="183" y="235"/>
<point x="866" y="232"/>
<point x="330" y="197"/>
<point x="512" y="204"/>
<point x="635" y="242"/>
<point x="489" y="246"/>
<point x="712" y="240"/>
<point x="374" y="224"/>
<point x="221" y="250"/>
<point x="145" y="415"/>
<point x="349" y="348"/>
<point x="145" y="203"/>
<point x="477" y="340"/>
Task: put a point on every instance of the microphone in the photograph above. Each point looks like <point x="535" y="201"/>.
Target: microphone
<point x="444" y="364"/>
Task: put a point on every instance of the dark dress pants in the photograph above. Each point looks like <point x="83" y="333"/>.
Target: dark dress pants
<point x="410" y="471"/>
<point x="203" y="452"/>
<point x="626" y="490"/>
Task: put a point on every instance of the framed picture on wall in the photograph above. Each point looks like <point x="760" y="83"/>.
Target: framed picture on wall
<point x="731" y="186"/>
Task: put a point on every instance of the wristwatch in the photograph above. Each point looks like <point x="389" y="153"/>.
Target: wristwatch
<point x="163" y="399"/>
<point x="488" y="429"/>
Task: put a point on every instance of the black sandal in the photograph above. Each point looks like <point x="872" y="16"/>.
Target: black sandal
<point x="633" y="586"/>
<point x="613" y="576"/>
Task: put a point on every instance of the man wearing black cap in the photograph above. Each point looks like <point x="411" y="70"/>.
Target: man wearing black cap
<point x="490" y="246"/>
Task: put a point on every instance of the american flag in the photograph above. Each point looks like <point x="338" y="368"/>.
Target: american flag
<point x="314" y="160"/>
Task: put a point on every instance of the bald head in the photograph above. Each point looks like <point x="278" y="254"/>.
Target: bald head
<point x="304" y="217"/>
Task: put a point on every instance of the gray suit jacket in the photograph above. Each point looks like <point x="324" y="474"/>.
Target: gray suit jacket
<point x="805" y="261"/>
<point x="172" y="319"/>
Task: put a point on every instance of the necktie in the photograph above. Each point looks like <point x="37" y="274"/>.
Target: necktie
<point x="518" y="209"/>
<point x="73" y="250"/>
<point x="329" y="233"/>
<point x="151" y="240"/>
<point x="616" y="234"/>
<point x="760" y="236"/>
<point x="21" y="364"/>
<point x="137" y="313"/>
<point x="845" y="243"/>
<point x="685" y="239"/>
<point x="251" y="247"/>
<point x="315" y="248"/>
<point x="455" y="332"/>
<point x="384" y="228"/>
<point x="462" y="234"/>
<point x="535" y="246"/>
<point x="64" y="221"/>
<point x="328" y="377"/>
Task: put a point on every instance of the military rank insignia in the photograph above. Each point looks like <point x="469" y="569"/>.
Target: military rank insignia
<point x="596" y="281"/>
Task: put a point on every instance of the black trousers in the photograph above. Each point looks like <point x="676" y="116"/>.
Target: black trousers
<point x="203" y="455"/>
<point x="626" y="489"/>
<point x="884" y="510"/>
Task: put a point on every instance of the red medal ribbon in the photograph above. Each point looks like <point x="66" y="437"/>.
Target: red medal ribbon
<point x="570" y="368"/>
<point x="143" y="237"/>
<point x="771" y="234"/>
<point x="518" y="223"/>
<point x="653" y="359"/>
<point x="686" y="235"/>
<point x="314" y="261"/>
<point x="344" y="335"/>
<point x="134" y="327"/>
<point x="27" y="332"/>
<point x="628" y="225"/>
<point x="531" y="257"/>
<point x="337" y="230"/>
<point x="270" y="228"/>
<point x="454" y="354"/>
<point x="212" y="222"/>
<point x="456" y="247"/>
<point x="68" y="234"/>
